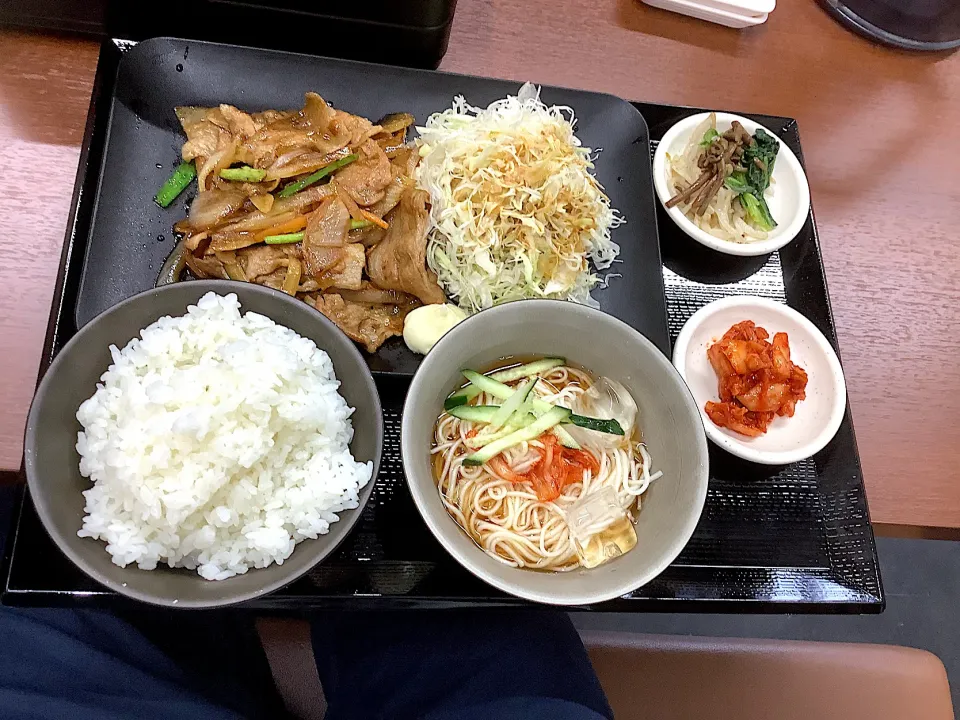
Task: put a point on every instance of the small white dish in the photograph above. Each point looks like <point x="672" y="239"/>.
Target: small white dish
<point x="789" y="199"/>
<point x="817" y="418"/>
<point x="726" y="16"/>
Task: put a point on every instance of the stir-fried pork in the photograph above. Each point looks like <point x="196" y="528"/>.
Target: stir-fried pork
<point x="348" y="273"/>
<point x="368" y="324"/>
<point x="367" y="178"/>
<point x="310" y="201"/>
<point x="398" y="262"/>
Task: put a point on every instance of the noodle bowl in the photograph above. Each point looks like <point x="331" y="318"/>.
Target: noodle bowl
<point x="499" y="505"/>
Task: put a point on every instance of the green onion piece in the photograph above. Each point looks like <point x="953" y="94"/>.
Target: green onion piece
<point x="295" y="187"/>
<point x="176" y="184"/>
<point x="283" y="239"/>
<point x="708" y="137"/>
<point x="244" y="173"/>
<point x="357" y="224"/>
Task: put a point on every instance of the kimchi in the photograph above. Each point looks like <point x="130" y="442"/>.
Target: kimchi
<point x="757" y="380"/>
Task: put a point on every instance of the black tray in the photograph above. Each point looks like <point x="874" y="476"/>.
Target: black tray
<point x="130" y="236"/>
<point x="771" y="539"/>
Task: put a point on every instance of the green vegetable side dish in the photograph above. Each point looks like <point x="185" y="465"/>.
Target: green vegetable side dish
<point x="733" y="160"/>
<point x="760" y="158"/>
<point x="244" y="173"/>
<point x="182" y="176"/>
<point x="752" y="181"/>
<point x="295" y="187"/>
<point x="757" y="211"/>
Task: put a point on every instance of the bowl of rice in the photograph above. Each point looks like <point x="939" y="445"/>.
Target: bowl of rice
<point x="203" y="444"/>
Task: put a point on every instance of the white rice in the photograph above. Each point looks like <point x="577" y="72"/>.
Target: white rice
<point x="216" y="442"/>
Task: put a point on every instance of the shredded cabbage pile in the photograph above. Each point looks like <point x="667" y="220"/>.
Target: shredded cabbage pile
<point x="515" y="212"/>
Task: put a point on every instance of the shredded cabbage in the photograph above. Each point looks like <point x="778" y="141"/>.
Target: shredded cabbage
<point x="515" y="212"/>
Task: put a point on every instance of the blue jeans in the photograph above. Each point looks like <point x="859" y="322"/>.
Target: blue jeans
<point x="444" y="665"/>
<point x="148" y="664"/>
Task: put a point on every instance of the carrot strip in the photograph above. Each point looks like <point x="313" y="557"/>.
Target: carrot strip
<point x="374" y="219"/>
<point x="284" y="228"/>
<point x="349" y="203"/>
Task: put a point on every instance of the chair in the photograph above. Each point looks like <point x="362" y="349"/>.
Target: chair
<point x="666" y="677"/>
<point x="670" y="677"/>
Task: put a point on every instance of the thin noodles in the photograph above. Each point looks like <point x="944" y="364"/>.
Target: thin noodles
<point x="506" y="518"/>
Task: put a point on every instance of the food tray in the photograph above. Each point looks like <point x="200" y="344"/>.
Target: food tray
<point x="771" y="539"/>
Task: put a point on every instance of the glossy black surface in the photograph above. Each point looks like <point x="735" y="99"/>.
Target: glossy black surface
<point x="928" y="25"/>
<point x="789" y="539"/>
<point x="130" y="236"/>
<point x="413" y="33"/>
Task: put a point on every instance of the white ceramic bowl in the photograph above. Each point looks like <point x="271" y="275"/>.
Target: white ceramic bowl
<point x="672" y="431"/>
<point x="788" y="198"/>
<point x="817" y="418"/>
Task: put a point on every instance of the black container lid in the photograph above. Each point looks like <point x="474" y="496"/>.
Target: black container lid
<point x="930" y="25"/>
<point x="413" y="33"/>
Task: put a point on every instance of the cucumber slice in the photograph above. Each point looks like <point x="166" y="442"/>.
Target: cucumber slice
<point x="475" y="413"/>
<point x="487" y="384"/>
<point x="523" y="417"/>
<point x="460" y="398"/>
<point x="519" y="419"/>
<point x="611" y="427"/>
<point x="512" y="404"/>
<point x="536" y="367"/>
<point x="548" y="420"/>
<point x="483" y="414"/>
<point x="565" y="438"/>
<point x="466" y="394"/>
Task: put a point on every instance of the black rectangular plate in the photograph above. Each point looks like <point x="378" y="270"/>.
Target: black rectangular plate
<point x="130" y="236"/>
<point x="771" y="539"/>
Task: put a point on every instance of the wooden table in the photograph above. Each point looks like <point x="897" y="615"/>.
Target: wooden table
<point x="881" y="143"/>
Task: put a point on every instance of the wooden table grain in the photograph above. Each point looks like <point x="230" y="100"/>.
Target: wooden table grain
<point x="879" y="131"/>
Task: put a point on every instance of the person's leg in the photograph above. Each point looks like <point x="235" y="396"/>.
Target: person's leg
<point x="86" y="664"/>
<point x="78" y="664"/>
<point x="441" y="665"/>
<point x="218" y="653"/>
<point x="60" y="663"/>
